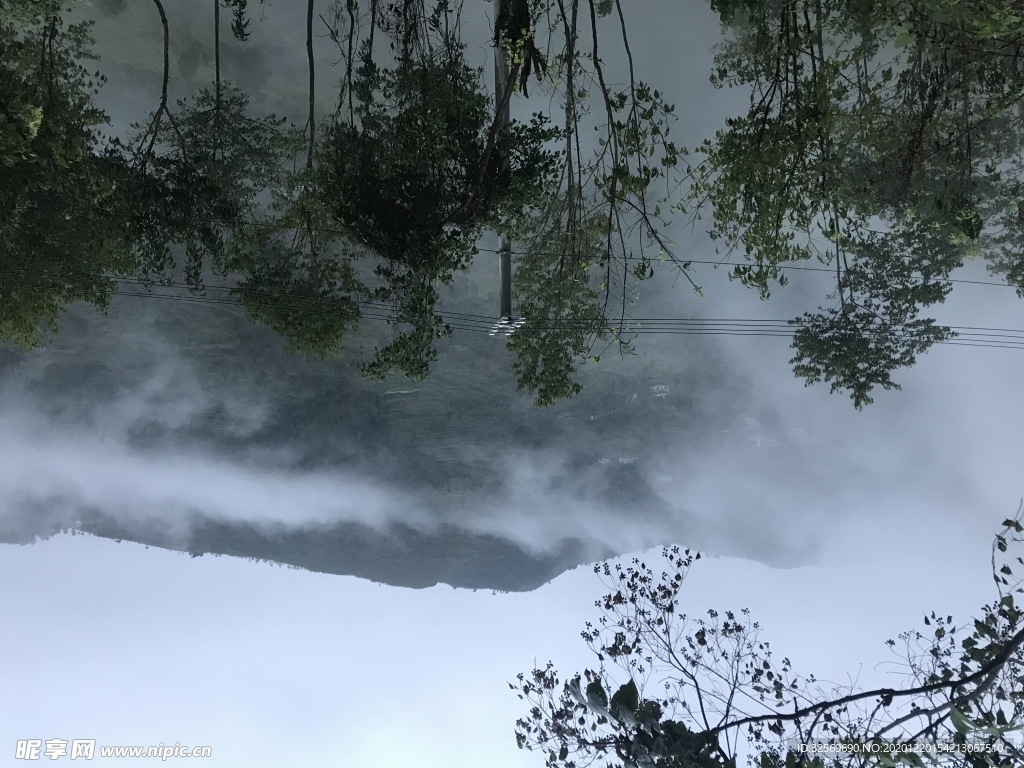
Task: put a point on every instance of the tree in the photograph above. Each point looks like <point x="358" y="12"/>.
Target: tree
<point x="572" y="216"/>
<point x="591" y="240"/>
<point x="60" y="234"/>
<point x="671" y="690"/>
<point x="297" y="276"/>
<point x="398" y="185"/>
<point x="413" y="171"/>
<point x="555" y="288"/>
<point x="880" y="140"/>
<point x="196" y="171"/>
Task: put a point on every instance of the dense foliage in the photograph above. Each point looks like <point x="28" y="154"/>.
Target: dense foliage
<point x="881" y="139"/>
<point x="59" y="242"/>
<point x="670" y="690"/>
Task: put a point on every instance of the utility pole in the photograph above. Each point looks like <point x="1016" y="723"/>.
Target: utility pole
<point x="506" y="324"/>
<point x="502" y="116"/>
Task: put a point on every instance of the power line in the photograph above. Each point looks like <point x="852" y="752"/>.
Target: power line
<point x="334" y="231"/>
<point x="641" y="323"/>
<point x="713" y="262"/>
<point x="977" y="336"/>
<point x="650" y="324"/>
<point x="483" y="324"/>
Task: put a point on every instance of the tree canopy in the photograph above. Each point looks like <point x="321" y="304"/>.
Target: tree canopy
<point x="59" y="238"/>
<point x="671" y="690"/>
<point x="881" y="140"/>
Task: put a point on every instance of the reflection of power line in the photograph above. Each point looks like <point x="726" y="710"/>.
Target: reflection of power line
<point x="975" y="336"/>
<point x="641" y="322"/>
<point x="717" y="263"/>
<point x="713" y="262"/>
<point x="1005" y="339"/>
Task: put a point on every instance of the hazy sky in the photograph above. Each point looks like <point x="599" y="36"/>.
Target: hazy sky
<point x="271" y="666"/>
<point x="835" y="545"/>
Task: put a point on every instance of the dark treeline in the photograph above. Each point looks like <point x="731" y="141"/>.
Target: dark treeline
<point x="881" y="140"/>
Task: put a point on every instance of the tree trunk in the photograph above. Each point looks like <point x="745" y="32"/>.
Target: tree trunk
<point x="312" y="82"/>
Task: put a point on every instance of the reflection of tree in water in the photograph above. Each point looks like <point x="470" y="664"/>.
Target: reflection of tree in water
<point x="199" y="167"/>
<point x="879" y="140"/>
<point x="416" y="174"/>
<point x="79" y="212"/>
<point x="407" y="175"/>
<point x="882" y="140"/>
<point x="417" y="163"/>
<point x="391" y="199"/>
<point x="58" y="237"/>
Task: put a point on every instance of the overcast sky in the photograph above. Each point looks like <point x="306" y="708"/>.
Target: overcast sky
<point x="835" y="545"/>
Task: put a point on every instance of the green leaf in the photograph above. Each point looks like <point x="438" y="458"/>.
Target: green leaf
<point x="596" y="696"/>
<point x="625" y="701"/>
<point x="960" y="722"/>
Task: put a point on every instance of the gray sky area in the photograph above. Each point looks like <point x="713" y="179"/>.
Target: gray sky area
<point x="184" y="428"/>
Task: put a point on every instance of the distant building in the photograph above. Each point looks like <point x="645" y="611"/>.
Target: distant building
<point x="660" y="390"/>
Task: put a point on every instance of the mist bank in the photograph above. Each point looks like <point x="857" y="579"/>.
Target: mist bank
<point x="185" y="426"/>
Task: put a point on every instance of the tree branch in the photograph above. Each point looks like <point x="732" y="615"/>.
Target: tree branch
<point x="993" y="666"/>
